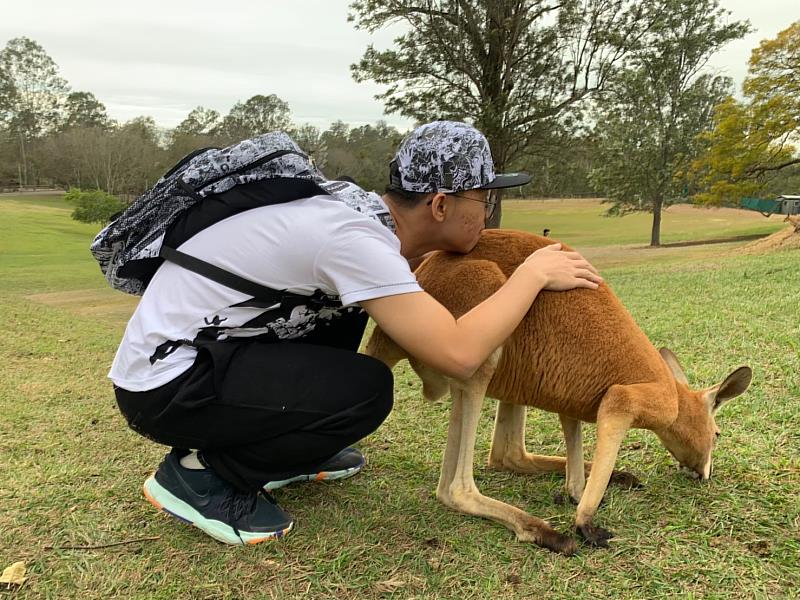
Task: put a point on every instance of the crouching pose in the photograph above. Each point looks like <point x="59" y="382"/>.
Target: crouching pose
<point x="252" y="396"/>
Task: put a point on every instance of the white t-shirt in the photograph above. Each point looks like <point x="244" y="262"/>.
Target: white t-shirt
<point x="317" y="243"/>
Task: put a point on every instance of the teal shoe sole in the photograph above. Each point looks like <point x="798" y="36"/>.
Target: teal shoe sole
<point x="321" y="476"/>
<point x="173" y="506"/>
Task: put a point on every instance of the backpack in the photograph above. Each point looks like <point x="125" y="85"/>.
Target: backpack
<point x="205" y="187"/>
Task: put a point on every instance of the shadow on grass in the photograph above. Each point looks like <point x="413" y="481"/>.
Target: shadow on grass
<point x="724" y="240"/>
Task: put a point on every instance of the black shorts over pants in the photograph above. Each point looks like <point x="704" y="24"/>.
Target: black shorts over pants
<point x="262" y="411"/>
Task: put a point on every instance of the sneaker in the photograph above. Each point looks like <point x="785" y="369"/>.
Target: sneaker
<point x="201" y="498"/>
<point x="345" y="464"/>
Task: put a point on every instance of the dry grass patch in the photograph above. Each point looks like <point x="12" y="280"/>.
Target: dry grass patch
<point x="786" y="239"/>
<point x="104" y="303"/>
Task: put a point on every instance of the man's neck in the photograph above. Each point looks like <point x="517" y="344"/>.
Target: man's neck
<point x="413" y="230"/>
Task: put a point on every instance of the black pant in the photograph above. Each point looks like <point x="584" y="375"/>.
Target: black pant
<point x="260" y="411"/>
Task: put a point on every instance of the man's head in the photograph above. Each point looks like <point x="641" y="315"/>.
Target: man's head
<point x="448" y="167"/>
<point x="448" y="157"/>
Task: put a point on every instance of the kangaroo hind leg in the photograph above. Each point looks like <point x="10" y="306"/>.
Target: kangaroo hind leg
<point x="457" y="488"/>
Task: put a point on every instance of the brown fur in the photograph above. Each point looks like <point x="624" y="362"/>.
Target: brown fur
<point x="555" y="337"/>
<point x="579" y="354"/>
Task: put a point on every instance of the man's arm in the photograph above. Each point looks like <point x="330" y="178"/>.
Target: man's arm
<point x="426" y="329"/>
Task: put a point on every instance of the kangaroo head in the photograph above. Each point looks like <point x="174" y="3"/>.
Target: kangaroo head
<point x="692" y="436"/>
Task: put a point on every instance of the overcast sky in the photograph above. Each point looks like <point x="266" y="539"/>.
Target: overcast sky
<point x="164" y="58"/>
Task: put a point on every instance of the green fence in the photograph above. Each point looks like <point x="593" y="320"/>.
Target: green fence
<point x="765" y="207"/>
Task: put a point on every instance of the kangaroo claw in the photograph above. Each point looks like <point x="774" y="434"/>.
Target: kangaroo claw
<point x="563" y="497"/>
<point x="559" y="543"/>
<point x="625" y="480"/>
<point x="595" y="536"/>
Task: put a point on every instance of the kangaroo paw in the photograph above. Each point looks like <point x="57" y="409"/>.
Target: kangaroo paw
<point x="557" y="542"/>
<point x="541" y="534"/>
<point x="563" y="498"/>
<point x="560" y="498"/>
<point x="626" y="480"/>
<point x="595" y="536"/>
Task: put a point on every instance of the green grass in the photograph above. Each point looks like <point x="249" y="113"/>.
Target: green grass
<point x="71" y="471"/>
<point x="582" y="224"/>
<point x="42" y="249"/>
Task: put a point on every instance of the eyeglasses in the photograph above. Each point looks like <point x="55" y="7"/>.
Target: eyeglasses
<point x="490" y="203"/>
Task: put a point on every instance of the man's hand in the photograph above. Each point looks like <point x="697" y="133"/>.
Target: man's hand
<point x="560" y="270"/>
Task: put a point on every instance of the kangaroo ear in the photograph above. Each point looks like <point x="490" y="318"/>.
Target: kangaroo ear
<point x="674" y="365"/>
<point x="734" y="385"/>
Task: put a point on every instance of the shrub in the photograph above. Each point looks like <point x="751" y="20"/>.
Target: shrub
<point x="93" y="206"/>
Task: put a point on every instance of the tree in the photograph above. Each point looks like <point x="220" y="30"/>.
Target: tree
<point x="648" y="123"/>
<point x="561" y="168"/>
<point x="309" y="138"/>
<point x="8" y="157"/>
<point x="515" y="69"/>
<point x="751" y="144"/>
<point x="361" y="153"/>
<point x="83" y="109"/>
<point x="201" y="121"/>
<point x="140" y="157"/>
<point x="197" y="130"/>
<point x="335" y="159"/>
<point x="122" y="160"/>
<point x="33" y="109"/>
<point x="260" y="114"/>
<point x="7" y="96"/>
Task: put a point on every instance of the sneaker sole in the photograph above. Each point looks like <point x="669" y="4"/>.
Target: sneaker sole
<point x="175" y="507"/>
<point x="321" y="476"/>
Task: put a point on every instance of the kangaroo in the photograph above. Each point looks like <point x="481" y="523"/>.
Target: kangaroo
<point x="577" y="353"/>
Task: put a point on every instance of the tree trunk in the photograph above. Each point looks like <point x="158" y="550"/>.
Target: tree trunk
<point x="655" y="235"/>
<point x="496" y="87"/>
<point x="494" y="222"/>
<point x="499" y="150"/>
<point x="24" y="180"/>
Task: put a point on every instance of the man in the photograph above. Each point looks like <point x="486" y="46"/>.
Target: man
<point x="270" y="397"/>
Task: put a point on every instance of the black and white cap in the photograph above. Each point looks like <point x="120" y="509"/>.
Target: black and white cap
<point x="447" y="156"/>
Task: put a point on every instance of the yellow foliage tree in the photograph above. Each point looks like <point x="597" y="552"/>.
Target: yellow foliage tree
<point x="754" y="139"/>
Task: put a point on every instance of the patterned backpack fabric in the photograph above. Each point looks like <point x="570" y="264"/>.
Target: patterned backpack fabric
<point x="129" y="249"/>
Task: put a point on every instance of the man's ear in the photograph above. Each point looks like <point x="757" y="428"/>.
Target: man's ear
<point x="439" y="205"/>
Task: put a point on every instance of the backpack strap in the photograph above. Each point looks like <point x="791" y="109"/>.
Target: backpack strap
<point x="218" y="207"/>
<point x="262" y="296"/>
<point x="261" y="292"/>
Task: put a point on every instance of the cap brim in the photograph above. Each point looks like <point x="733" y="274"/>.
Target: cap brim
<point x="508" y="180"/>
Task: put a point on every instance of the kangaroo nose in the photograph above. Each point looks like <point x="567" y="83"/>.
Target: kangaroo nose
<point x="690" y="473"/>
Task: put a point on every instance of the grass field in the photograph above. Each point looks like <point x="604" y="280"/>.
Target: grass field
<point x="71" y="472"/>
<point x="580" y="222"/>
